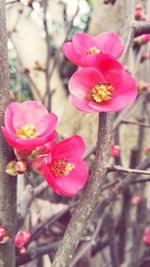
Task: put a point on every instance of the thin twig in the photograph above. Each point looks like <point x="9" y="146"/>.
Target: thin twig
<point x="127" y="170"/>
<point x="136" y="123"/>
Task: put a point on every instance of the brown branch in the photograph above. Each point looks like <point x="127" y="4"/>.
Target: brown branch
<point x="112" y="240"/>
<point x="7" y="183"/>
<point x="136" y="123"/>
<point x="12" y="2"/>
<point x="141" y="28"/>
<point x="46" y="225"/>
<point x="89" y="245"/>
<point x="127" y="170"/>
<point x="128" y="31"/>
<point x="90" y="195"/>
<point x="36" y="252"/>
<point x="26" y="199"/>
<point x="117" y="121"/>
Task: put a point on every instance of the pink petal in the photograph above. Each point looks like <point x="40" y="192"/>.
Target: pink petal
<point x="102" y="62"/>
<point x="125" y="88"/>
<point x="29" y="112"/>
<point x="82" y="81"/>
<point x="124" y="92"/>
<point x="82" y="105"/>
<point x="82" y="42"/>
<point x="11" y="109"/>
<point x="37" y="164"/>
<point x="51" y="124"/>
<point x="51" y="180"/>
<point x="69" y="146"/>
<point x="71" y="184"/>
<point x="71" y="54"/>
<point x="109" y="43"/>
<point x="28" y="143"/>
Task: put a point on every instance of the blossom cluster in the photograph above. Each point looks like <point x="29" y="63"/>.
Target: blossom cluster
<point x="101" y="84"/>
<point x="30" y="130"/>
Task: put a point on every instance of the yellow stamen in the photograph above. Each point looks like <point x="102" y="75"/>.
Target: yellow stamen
<point x="62" y="167"/>
<point x="102" y="92"/>
<point x="27" y="131"/>
<point x="93" y="50"/>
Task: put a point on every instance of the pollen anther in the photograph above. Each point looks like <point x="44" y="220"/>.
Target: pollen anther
<point x="27" y="131"/>
<point x="62" y="167"/>
<point x="93" y="50"/>
<point x="102" y="92"/>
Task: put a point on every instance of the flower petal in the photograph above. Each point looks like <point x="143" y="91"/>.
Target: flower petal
<point x="125" y="88"/>
<point x="27" y="144"/>
<point x="109" y="43"/>
<point x="11" y="109"/>
<point x="82" y="81"/>
<point x="82" y="105"/>
<point x="71" y="184"/>
<point x="29" y="112"/>
<point x="73" y="145"/>
<point x="82" y="42"/>
<point x="102" y="62"/>
<point x="70" y="53"/>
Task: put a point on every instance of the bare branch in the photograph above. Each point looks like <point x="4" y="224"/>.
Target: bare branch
<point x="127" y="170"/>
<point x="7" y="183"/>
<point x="90" y="195"/>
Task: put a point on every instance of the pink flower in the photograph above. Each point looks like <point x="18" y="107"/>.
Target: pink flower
<point x="64" y="169"/>
<point x="28" y="125"/>
<point x="146" y="237"/>
<point x="22" y="238"/>
<point x="106" y="89"/>
<point x="85" y="46"/>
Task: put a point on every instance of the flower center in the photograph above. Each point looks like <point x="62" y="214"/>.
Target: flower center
<point x="27" y="131"/>
<point x="102" y="92"/>
<point x="93" y="50"/>
<point x="62" y="167"/>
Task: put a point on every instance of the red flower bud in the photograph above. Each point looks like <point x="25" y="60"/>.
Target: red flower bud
<point x="2" y="232"/>
<point x="22" y="238"/>
<point x="146" y="237"/>
<point x="135" y="200"/>
<point x="20" y="167"/>
<point x="10" y="168"/>
<point x="115" y="151"/>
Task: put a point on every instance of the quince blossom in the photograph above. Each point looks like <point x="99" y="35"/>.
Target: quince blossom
<point x="105" y="87"/>
<point x="84" y="46"/>
<point x="63" y="167"/>
<point x="28" y="125"/>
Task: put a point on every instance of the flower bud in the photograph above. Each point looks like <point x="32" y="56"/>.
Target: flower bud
<point x="2" y="232"/>
<point x="3" y="235"/>
<point x="10" y="168"/>
<point x="22" y="251"/>
<point x="142" y="85"/>
<point x="146" y="237"/>
<point x="135" y="200"/>
<point x="22" y="238"/>
<point x="21" y="167"/>
<point x="115" y="151"/>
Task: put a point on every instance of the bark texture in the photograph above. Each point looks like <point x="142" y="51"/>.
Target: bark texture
<point x="90" y="196"/>
<point x="7" y="183"/>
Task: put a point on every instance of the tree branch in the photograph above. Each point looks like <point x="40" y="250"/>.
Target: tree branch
<point x="7" y="183"/>
<point x="90" y="195"/>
